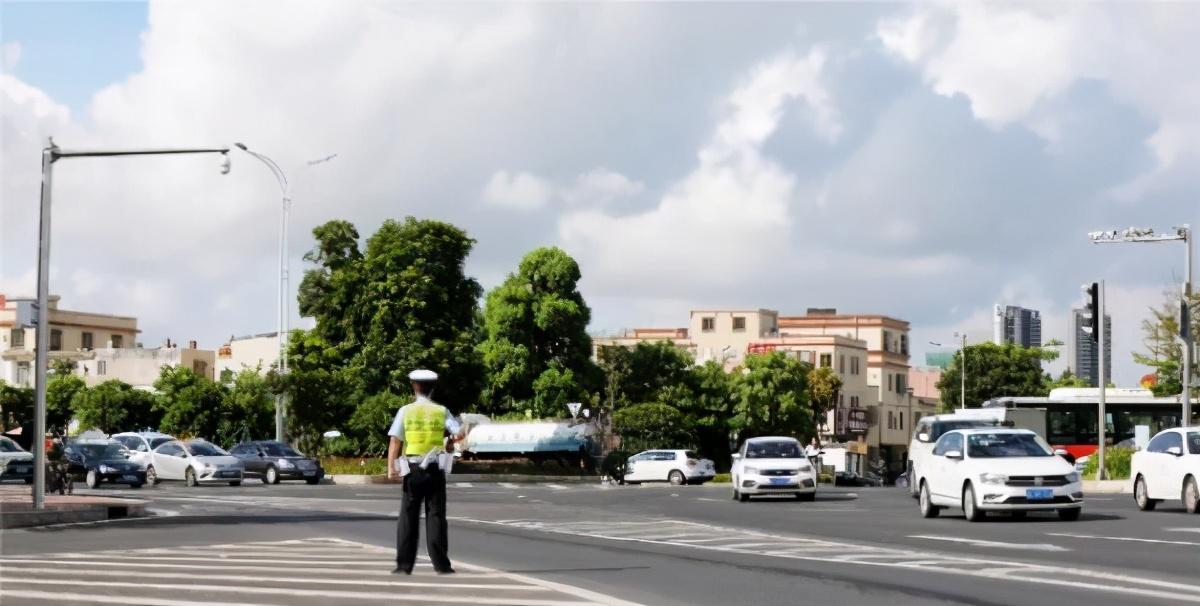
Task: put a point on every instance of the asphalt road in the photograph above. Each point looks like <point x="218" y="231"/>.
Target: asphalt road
<point x="597" y="544"/>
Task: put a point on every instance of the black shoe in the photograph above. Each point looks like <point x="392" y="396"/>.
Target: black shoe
<point x="446" y="571"/>
<point x="399" y="570"/>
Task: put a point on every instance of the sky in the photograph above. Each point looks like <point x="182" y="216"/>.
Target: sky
<point x="921" y="161"/>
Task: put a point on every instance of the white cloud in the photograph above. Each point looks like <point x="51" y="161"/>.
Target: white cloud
<point x="10" y="55"/>
<point x="517" y="191"/>
<point x="600" y="186"/>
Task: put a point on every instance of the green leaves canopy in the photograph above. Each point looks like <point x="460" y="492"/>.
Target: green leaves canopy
<point x="773" y="398"/>
<point x="994" y="371"/>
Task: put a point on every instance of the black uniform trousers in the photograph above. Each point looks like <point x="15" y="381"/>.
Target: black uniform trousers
<point x="427" y="486"/>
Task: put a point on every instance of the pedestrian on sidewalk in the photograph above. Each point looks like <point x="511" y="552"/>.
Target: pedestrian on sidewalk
<point x="419" y="453"/>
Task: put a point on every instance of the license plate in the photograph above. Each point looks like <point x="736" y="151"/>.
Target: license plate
<point x="780" y="480"/>
<point x="1039" y="494"/>
<point x="310" y="473"/>
<point x="129" y="478"/>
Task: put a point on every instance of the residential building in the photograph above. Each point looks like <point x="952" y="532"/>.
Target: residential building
<point x="253" y="351"/>
<point x="141" y="367"/>
<point x="1083" y="350"/>
<point x="924" y="380"/>
<point x="1012" y="324"/>
<point x="632" y="336"/>
<point x="74" y="336"/>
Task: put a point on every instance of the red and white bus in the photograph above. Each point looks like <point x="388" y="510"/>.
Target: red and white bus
<point x="1071" y="415"/>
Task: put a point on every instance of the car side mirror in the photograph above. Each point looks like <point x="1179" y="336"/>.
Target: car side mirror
<point x="923" y="437"/>
<point x="954" y="454"/>
<point x="1175" y="450"/>
<point x="736" y="456"/>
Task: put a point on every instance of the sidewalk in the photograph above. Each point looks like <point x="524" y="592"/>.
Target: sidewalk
<point x="16" y="508"/>
<point x="1107" y="487"/>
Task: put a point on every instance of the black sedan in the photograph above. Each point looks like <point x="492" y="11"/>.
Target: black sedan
<point x="103" y="461"/>
<point x="274" y="461"/>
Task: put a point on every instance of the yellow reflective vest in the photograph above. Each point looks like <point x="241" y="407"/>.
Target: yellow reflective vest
<point x="424" y="428"/>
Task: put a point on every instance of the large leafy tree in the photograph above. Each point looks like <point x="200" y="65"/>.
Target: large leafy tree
<point x="773" y="398"/>
<point x="653" y="425"/>
<point x="190" y="403"/>
<point x="16" y="404"/>
<point x="824" y="386"/>
<point x="322" y="390"/>
<point x="1065" y="379"/>
<point x="61" y="391"/>
<point x="1163" y="347"/>
<point x="537" y="347"/>
<point x="994" y="371"/>
<point x="709" y="401"/>
<point x="369" y="423"/>
<point x="248" y="409"/>
<point x="102" y="407"/>
<point x="402" y="304"/>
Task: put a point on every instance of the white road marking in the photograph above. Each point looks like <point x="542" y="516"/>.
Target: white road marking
<point x="189" y="574"/>
<point x="1190" y="529"/>
<point x="555" y="486"/>
<point x="82" y="598"/>
<point x="712" y="500"/>
<point x="1127" y="539"/>
<point x="507" y="485"/>
<point x="990" y="544"/>
<point x="463" y="485"/>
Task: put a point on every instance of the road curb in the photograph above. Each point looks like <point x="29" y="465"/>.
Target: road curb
<point x="26" y="517"/>
<point x="1107" y="487"/>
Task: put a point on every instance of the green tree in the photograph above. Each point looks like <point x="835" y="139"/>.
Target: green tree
<point x="247" y="410"/>
<point x="16" y="404"/>
<point x="1164" y="349"/>
<point x="61" y="390"/>
<point x="1066" y="379"/>
<point x="645" y="426"/>
<point x="140" y="410"/>
<point x="62" y="367"/>
<point x="322" y="390"/>
<point x="536" y="323"/>
<point x="369" y="424"/>
<point x="331" y="291"/>
<point x="190" y="403"/>
<point x="994" y="371"/>
<point x="824" y="387"/>
<point x="102" y="407"/>
<point x="709" y="401"/>
<point x="773" y="400"/>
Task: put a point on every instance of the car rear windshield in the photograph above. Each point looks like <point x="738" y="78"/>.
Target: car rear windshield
<point x="275" y="449"/>
<point x="691" y="455"/>
<point x="7" y="445"/>
<point x="991" y="445"/>
<point x="942" y="427"/>
<point x="204" y="449"/>
<point x="156" y="442"/>
<point x="773" y="450"/>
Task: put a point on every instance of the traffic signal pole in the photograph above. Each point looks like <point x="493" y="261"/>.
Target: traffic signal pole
<point x="1101" y="338"/>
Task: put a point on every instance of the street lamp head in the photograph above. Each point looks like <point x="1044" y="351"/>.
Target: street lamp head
<point x="935" y="344"/>
<point x="242" y="146"/>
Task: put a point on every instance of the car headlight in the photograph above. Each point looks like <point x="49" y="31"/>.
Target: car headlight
<point x="106" y="469"/>
<point x="209" y="467"/>
<point x="285" y="464"/>
<point x="750" y="470"/>
<point x="993" y="478"/>
<point x="1072" y="477"/>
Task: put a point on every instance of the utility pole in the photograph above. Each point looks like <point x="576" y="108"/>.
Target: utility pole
<point x="1102" y="339"/>
<point x="962" y="390"/>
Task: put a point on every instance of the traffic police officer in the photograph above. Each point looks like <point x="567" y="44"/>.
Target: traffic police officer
<point x="418" y="452"/>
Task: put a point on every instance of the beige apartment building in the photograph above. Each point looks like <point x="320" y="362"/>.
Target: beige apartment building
<point x="239" y="353"/>
<point x="141" y="367"/>
<point x="876" y="408"/>
<point x="74" y="336"/>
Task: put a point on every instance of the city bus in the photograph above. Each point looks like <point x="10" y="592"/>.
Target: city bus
<point x="1071" y="414"/>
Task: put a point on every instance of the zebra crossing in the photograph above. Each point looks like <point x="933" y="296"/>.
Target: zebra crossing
<point x="267" y="573"/>
<point x="706" y="537"/>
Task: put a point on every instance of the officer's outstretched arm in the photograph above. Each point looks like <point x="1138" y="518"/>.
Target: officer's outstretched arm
<point x="394" y="445"/>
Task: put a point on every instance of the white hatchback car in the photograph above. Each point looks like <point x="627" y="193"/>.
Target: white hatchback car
<point x="194" y="462"/>
<point x="1010" y="470"/>
<point x="1169" y="468"/>
<point x="674" y="466"/>
<point x="773" y="465"/>
<point x="141" y="444"/>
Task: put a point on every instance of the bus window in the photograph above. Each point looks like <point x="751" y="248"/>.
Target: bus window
<point x="1060" y="426"/>
<point x="1088" y="431"/>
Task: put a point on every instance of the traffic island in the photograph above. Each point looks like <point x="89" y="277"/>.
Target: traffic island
<point x="16" y="508"/>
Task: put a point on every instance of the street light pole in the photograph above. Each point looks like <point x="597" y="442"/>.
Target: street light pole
<point x="281" y="303"/>
<point x="1184" y="233"/>
<point x="962" y="370"/>
<point x="51" y="154"/>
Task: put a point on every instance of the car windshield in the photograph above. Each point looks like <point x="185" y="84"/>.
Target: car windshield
<point x="100" y="451"/>
<point x="7" y="445"/>
<point x="988" y="445"/>
<point x="156" y="442"/>
<point x="942" y="427"/>
<point x="778" y="449"/>
<point x="1193" y="442"/>
<point x="204" y="449"/>
<point x="275" y="449"/>
<point x="691" y="455"/>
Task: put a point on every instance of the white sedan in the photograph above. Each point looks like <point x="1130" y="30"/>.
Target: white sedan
<point x="1009" y="470"/>
<point x="194" y="462"/>
<point x="773" y="465"/>
<point x="674" y="466"/>
<point x="1168" y="468"/>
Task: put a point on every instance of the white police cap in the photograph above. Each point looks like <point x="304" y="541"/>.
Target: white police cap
<point x="422" y="376"/>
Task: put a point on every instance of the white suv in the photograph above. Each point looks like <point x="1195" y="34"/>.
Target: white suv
<point x="773" y="465"/>
<point x="1012" y="470"/>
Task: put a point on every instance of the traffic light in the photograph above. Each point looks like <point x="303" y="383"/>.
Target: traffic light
<point x="1092" y="311"/>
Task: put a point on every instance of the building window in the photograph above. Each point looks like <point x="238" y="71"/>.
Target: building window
<point x="86" y="340"/>
<point x="708" y="324"/>
<point x="200" y="367"/>
<point x="23" y="374"/>
<point x="891" y="420"/>
<point x="18" y="337"/>
<point x="854" y="365"/>
<point x="826" y="360"/>
<point x="901" y="420"/>
<point x="904" y="345"/>
<point x="739" y="323"/>
<point x="899" y="383"/>
<point x="118" y="341"/>
<point x="101" y="367"/>
<point x="55" y="339"/>
<point x="853" y="401"/>
<point x="889" y="381"/>
<point x="841" y="363"/>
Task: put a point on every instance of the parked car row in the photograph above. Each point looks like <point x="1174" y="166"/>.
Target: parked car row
<point x="139" y="458"/>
